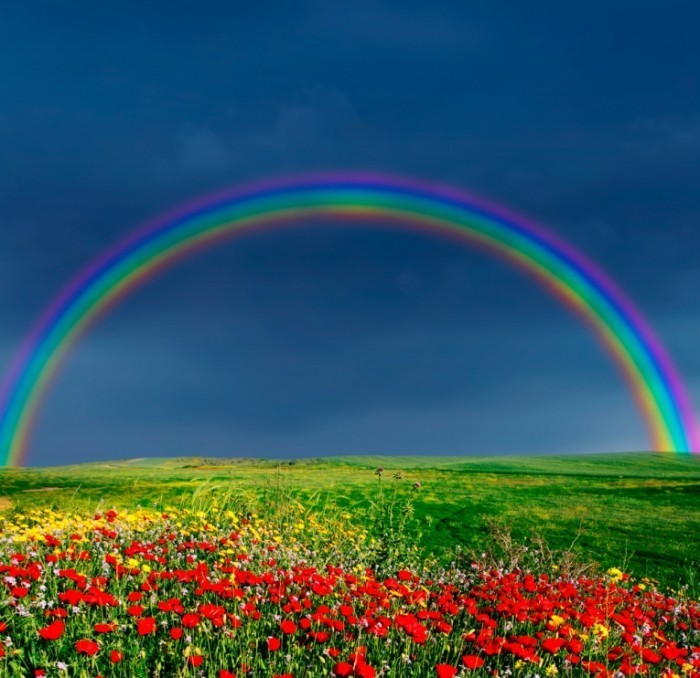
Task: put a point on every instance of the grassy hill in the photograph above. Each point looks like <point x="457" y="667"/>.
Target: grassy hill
<point x="640" y="511"/>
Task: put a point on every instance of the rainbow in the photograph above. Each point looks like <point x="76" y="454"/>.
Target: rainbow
<point x="387" y="201"/>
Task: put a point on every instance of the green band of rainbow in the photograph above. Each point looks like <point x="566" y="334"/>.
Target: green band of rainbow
<point x="654" y="384"/>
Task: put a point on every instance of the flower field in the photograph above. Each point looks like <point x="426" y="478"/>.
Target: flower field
<point x="214" y="589"/>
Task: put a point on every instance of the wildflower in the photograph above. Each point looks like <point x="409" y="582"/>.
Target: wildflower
<point x="88" y="647"/>
<point x="146" y="626"/>
<point x="649" y="656"/>
<point x="556" y="621"/>
<point x="53" y="631"/>
<point x="105" y="628"/>
<point x="472" y="661"/>
<point x="288" y="626"/>
<point x="190" y="620"/>
<point x="615" y="573"/>
<point x="553" y="645"/>
<point x="600" y="630"/>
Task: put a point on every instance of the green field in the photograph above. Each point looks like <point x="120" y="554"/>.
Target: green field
<point x="640" y="512"/>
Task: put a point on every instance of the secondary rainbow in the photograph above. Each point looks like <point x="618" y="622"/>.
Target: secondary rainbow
<point x="385" y="201"/>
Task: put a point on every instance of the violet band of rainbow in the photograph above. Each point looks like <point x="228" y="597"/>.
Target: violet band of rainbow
<point x="386" y="201"/>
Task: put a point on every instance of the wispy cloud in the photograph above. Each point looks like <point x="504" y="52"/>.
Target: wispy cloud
<point x="660" y="136"/>
<point x="402" y="27"/>
<point x="317" y="124"/>
<point x="202" y="150"/>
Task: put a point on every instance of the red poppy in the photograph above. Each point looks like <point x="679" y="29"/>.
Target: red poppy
<point x="88" y="647"/>
<point x="146" y="625"/>
<point x="575" y="645"/>
<point x="115" y="656"/>
<point x="472" y="661"/>
<point x="553" y="645"/>
<point x="190" y="620"/>
<point x="288" y="626"/>
<point x="650" y="656"/>
<point x="342" y="669"/>
<point x="53" y="631"/>
<point x="445" y="671"/>
<point x="365" y="671"/>
<point x="105" y="628"/>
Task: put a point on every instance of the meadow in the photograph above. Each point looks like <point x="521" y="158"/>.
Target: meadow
<point x="352" y="566"/>
<point x="639" y="511"/>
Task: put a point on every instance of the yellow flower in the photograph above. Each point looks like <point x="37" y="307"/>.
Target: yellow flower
<point x="615" y="573"/>
<point x="600" y="630"/>
<point x="556" y="620"/>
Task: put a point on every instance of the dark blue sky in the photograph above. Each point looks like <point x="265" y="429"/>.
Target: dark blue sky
<point x="583" y="116"/>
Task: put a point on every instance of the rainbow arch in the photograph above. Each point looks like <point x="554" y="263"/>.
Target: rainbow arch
<point x="653" y="381"/>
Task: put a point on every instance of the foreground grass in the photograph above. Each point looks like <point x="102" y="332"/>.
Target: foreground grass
<point x="640" y="512"/>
